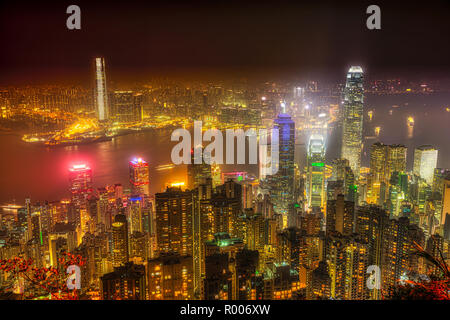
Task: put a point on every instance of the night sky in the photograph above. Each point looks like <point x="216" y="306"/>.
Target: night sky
<point x="195" y="37"/>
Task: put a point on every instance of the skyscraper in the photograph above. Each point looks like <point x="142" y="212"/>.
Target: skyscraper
<point x="316" y="171"/>
<point x="101" y="95"/>
<point x="139" y="177"/>
<point x="385" y="160"/>
<point x="80" y="178"/>
<point x="120" y="240"/>
<point x="282" y="183"/>
<point x="425" y="161"/>
<point x="340" y="216"/>
<point x="353" y="118"/>
<point x="174" y="221"/>
<point x="395" y="159"/>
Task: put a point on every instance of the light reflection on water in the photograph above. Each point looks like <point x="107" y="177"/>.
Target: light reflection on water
<point x="27" y="170"/>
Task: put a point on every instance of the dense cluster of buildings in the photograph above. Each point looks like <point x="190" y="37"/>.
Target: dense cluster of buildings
<point x="309" y="231"/>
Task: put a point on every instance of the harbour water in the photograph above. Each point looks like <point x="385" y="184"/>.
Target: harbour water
<point x="41" y="173"/>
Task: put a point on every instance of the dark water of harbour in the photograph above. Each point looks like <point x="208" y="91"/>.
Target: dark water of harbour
<point x="40" y="173"/>
<point x="431" y="125"/>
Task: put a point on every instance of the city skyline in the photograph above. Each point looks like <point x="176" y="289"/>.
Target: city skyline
<point x="115" y="127"/>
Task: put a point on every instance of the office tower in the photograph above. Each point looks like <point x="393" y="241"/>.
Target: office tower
<point x="348" y="259"/>
<point x="425" y="161"/>
<point x="124" y="283"/>
<point x="316" y="171"/>
<point x="343" y="175"/>
<point x="398" y="193"/>
<point x="170" y="278"/>
<point x="264" y="158"/>
<point x="120" y="240"/>
<point x="139" y="177"/>
<point x="340" y="216"/>
<point x="282" y="183"/>
<point x="384" y="161"/>
<point x="198" y="173"/>
<point x="101" y="94"/>
<point x="395" y="159"/>
<point x="80" y="178"/>
<point x="353" y="107"/>
<point x="127" y="106"/>
<point x="135" y="219"/>
<point x="174" y="221"/>
<point x="378" y="180"/>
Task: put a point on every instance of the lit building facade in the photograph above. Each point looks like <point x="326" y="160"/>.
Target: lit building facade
<point x="139" y="177"/>
<point x="425" y="161"/>
<point x="353" y="118"/>
<point x="80" y="178"/>
<point x="101" y="95"/>
<point x="316" y="171"/>
<point x="282" y="183"/>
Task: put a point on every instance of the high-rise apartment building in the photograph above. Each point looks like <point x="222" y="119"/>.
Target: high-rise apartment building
<point x="174" y="221"/>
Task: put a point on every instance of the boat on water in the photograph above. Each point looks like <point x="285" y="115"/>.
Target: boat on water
<point x="410" y="122"/>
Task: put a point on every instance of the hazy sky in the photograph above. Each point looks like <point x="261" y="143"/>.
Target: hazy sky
<point x="139" y="37"/>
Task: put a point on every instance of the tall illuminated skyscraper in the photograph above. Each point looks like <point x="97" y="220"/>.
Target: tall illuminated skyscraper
<point x="425" y="161"/>
<point x="120" y="240"/>
<point x="101" y="95"/>
<point x="316" y="171"/>
<point x="139" y="177"/>
<point x="80" y="178"/>
<point x="174" y="221"/>
<point x="353" y="118"/>
<point x="282" y="183"/>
